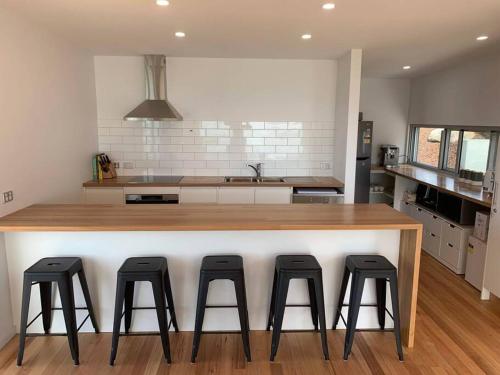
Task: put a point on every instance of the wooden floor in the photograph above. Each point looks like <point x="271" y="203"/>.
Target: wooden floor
<point x="456" y="334"/>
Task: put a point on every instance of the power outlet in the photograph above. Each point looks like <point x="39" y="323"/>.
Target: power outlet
<point x="324" y="165"/>
<point x="116" y="165"/>
<point x="8" y="196"/>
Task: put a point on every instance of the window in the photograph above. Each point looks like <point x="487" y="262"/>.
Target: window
<point x="475" y="149"/>
<point x="453" y="149"/>
<point x="428" y="145"/>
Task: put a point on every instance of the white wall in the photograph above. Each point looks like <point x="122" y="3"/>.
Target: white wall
<point x="465" y="94"/>
<point x="386" y="102"/>
<point x="346" y="120"/>
<point x="48" y="127"/>
<point x="236" y="111"/>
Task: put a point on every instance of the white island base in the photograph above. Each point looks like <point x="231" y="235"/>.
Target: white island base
<point x="104" y="252"/>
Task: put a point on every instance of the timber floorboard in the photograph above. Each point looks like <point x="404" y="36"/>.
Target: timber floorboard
<point x="456" y="333"/>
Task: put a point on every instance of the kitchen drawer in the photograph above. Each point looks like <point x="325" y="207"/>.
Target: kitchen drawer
<point x="406" y="208"/>
<point x="452" y="256"/>
<point x="273" y="195"/>
<point x="104" y="196"/>
<point x="420" y="214"/>
<point x="431" y="243"/>
<point x="412" y="210"/>
<point x="198" y="195"/>
<point x="452" y="234"/>
<point x="236" y="195"/>
<point x="152" y="190"/>
<point x="434" y="224"/>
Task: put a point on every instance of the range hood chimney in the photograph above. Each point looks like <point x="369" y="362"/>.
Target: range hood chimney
<point x="156" y="107"/>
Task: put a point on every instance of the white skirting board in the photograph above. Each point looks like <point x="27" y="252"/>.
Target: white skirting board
<point x="104" y="252"/>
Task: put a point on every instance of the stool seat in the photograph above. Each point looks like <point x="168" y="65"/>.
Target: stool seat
<point x="297" y="262"/>
<point x="368" y="263"/>
<point x="222" y="263"/>
<point x="55" y="266"/>
<point x="143" y="264"/>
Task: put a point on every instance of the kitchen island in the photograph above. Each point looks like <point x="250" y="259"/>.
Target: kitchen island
<point x="105" y="235"/>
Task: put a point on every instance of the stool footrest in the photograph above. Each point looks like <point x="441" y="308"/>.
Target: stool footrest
<point x="58" y="309"/>
<point x="220" y="306"/>
<point x="145" y="333"/>
<point x="366" y="305"/>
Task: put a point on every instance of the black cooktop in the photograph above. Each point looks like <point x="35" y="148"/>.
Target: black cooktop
<point x="156" y="179"/>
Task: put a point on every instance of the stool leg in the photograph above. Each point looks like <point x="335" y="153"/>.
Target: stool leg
<point x="200" y="314"/>
<point x="46" y="302"/>
<point x="68" y="306"/>
<point x="24" y="318"/>
<point x="395" y="313"/>
<point x="88" y="300"/>
<point x="313" y="302"/>
<point x="241" y="298"/>
<point x="159" y="295"/>
<point x="129" y="304"/>
<point x="318" y="290"/>
<point x="381" y="286"/>
<point x="170" y="300"/>
<point x="354" y="305"/>
<point x="281" y="294"/>
<point x="343" y="289"/>
<point x="273" y="302"/>
<point x="119" y="300"/>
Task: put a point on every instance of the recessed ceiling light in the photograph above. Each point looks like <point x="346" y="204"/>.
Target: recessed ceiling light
<point x="306" y="36"/>
<point x="482" y="37"/>
<point x="162" y="3"/>
<point x="180" y="34"/>
<point x="406" y="67"/>
<point x="328" y="6"/>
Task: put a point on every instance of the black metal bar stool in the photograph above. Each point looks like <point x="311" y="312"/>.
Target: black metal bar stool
<point x="365" y="267"/>
<point x="154" y="270"/>
<point x="61" y="271"/>
<point x="296" y="267"/>
<point x="222" y="267"/>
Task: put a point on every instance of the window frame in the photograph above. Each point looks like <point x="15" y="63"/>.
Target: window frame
<point x="444" y="146"/>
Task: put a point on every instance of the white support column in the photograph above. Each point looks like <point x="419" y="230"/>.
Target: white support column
<point x="346" y="120"/>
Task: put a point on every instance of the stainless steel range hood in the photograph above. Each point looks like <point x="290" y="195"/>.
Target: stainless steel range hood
<point x="156" y="107"/>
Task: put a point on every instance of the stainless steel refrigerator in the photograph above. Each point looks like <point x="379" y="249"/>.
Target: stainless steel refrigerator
<point x="363" y="162"/>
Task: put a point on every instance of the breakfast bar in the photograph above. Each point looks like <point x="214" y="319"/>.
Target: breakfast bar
<point x="105" y="235"/>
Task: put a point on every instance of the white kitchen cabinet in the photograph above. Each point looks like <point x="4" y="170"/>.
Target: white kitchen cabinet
<point x="104" y="196"/>
<point x="445" y="241"/>
<point x="198" y="195"/>
<point x="236" y="195"/>
<point x="273" y="195"/>
<point x="152" y="190"/>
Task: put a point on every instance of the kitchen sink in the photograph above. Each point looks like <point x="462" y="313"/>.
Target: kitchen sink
<point x="238" y="179"/>
<point x="269" y="179"/>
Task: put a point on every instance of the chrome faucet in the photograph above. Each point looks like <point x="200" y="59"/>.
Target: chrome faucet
<point x="257" y="168"/>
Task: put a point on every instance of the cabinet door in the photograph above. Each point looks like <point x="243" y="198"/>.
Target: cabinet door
<point x="450" y="256"/>
<point x="433" y="244"/>
<point x="198" y="195"/>
<point x="104" y="196"/>
<point x="273" y="195"/>
<point x="236" y="195"/>
<point x="405" y="208"/>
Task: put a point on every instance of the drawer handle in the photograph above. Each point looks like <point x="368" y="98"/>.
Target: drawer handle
<point x="419" y="209"/>
<point x="471" y="246"/>
<point x="433" y="235"/>
<point x="434" y="217"/>
<point x="452" y="226"/>
<point x="450" y="245"/>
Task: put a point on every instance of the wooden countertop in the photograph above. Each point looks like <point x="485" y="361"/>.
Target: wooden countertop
<point x="443" y="182"/>
<point x="206" y="218"/>
<point x="125" y="181"/>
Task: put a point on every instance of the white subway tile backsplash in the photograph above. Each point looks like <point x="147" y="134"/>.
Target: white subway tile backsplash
<point x="225" y="147"/>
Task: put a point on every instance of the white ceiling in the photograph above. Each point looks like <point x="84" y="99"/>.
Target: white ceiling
<point x="425" y="34"/>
